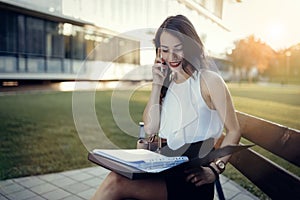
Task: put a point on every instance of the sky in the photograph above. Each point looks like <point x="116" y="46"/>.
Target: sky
<point x="275" y="22"/>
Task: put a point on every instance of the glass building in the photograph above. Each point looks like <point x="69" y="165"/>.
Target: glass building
<point x="57" y="39"/>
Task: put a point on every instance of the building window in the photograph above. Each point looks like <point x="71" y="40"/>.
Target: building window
<point x="8" y="32"/>
<point x="21" y="34"/>
<point x="54" y="40"/>
<point x="78" y="45"/>
<point x="35" y="41"/>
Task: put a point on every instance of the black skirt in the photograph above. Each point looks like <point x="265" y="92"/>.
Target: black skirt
<point x="177" y="186"/>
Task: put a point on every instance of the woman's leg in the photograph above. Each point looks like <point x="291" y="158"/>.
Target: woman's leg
<point x="116" y="187"/>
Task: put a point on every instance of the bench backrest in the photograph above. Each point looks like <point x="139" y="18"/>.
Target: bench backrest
<point x="282" y="141"/>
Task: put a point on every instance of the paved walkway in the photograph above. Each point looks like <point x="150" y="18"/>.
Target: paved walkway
<point x="81" y="184"/>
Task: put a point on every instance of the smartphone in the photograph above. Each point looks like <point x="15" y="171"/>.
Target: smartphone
<point x="162" y="69"/>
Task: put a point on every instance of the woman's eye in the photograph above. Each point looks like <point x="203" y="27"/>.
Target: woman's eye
<point x="178" y="50"/>
<point x="165" y="50"/>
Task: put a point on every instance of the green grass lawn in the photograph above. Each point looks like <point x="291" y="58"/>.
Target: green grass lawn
<point x="280" y="104"/>
<point x="38" y="134"/>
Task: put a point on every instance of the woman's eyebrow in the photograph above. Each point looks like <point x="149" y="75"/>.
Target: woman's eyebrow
<point x="176" y="45"/>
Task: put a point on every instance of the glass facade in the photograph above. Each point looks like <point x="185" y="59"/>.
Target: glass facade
<point x="55" y="37"/>
<point x="30" y="44"/>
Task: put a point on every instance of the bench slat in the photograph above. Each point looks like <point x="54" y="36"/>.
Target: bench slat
<point x="273" y="180"/>
<point x="276" y="138"/>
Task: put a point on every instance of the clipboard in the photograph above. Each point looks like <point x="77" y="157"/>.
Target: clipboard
<point x="120" y="168"/>
<point x="134" y="173"/>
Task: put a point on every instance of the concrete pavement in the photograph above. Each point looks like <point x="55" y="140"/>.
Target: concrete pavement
<point x="82" y="184"/>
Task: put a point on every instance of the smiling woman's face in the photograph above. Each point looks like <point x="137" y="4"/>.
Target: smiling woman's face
<point x="172" y="51"/>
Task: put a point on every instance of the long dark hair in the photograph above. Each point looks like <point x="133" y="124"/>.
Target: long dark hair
<point x="193" y="50"/>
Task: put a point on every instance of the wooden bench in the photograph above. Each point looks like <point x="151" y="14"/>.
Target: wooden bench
<point x="273" y="180"/>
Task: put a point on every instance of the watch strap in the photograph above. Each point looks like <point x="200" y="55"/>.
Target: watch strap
<point x="214" y="171"/>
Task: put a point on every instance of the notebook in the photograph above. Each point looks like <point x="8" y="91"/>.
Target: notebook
<point x="142" y="159"/>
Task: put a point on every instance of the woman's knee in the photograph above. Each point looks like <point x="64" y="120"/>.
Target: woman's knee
<point x="116" y="182"/>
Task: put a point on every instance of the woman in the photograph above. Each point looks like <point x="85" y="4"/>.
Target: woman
<point x="189" y="105"/>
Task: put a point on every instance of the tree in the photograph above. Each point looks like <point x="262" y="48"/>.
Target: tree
<point x="251" y="52"/>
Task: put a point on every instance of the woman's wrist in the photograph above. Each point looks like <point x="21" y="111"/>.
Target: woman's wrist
<point x="214" y="171"/>
<point x="215" y="167"/>
<point x="158" y="85"/>
<point x="155" y="91"/>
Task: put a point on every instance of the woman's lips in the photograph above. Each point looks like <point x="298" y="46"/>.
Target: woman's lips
<point x="174" y="64"/>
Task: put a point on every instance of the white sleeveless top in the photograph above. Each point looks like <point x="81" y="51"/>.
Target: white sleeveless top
<point x="185" y="117"/>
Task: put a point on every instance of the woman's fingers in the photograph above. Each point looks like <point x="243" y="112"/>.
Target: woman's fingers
<point x="199" y="183"/>
<point x="196" y="179"/>
<point x="192" y="177"/>
<point x="157" y="70"/>
<point x="158" y="75"/>
<point x="199" y="176"/>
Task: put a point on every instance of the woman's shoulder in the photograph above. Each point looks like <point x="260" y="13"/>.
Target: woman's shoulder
<point x="211" y="76"/>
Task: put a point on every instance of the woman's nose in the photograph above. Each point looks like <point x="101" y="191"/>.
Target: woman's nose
<point x="172" y="55"/>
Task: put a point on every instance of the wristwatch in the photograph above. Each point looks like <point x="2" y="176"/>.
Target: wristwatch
<point x="220" y="165"/>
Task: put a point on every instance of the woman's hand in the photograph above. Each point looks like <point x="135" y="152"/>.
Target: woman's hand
<point x="158" y="73"/>
<point x="159" y="69"/>
<point x="200" y="176"/>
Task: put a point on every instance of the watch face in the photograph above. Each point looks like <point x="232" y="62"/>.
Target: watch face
<point x="220" y="164"/>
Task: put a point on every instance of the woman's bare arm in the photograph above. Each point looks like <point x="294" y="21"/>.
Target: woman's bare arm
<point x="151" y="115"/>
<point x="222" y="102"/>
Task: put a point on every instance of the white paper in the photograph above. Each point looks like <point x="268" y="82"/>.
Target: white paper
<point x="142" y="159"/>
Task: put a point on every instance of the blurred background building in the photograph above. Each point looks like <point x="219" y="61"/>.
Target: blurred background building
<point x="78" y="39"/>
